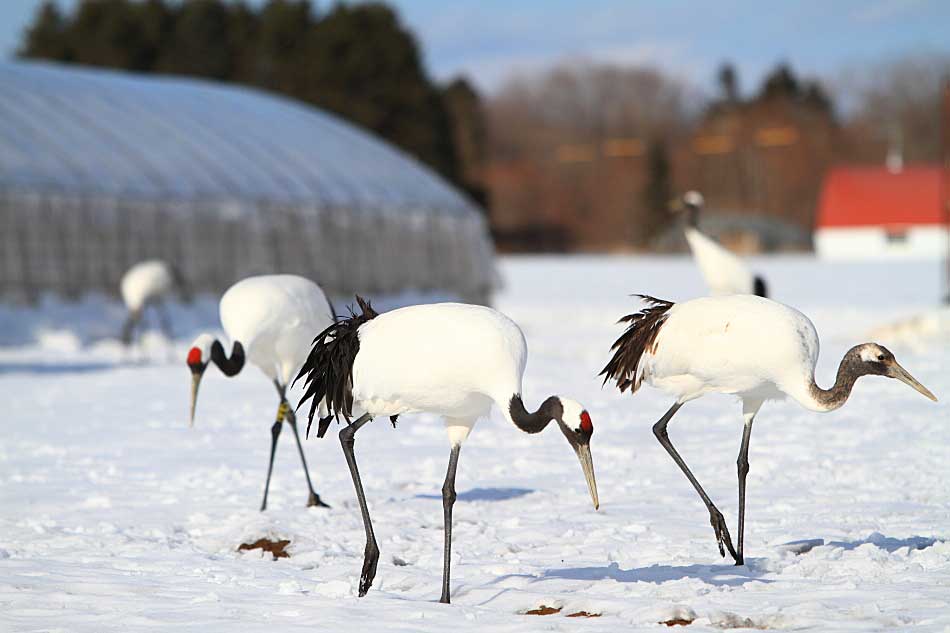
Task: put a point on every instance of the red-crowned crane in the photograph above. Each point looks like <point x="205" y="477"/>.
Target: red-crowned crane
<point x="748" y="346"/>
<point x="450" y="359"/>
<point x="724" y="272"/>
<point x="270" y="320"/>
<point x="146" y="284"/>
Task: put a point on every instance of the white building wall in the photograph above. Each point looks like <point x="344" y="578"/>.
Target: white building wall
<point x="876" y="242"/>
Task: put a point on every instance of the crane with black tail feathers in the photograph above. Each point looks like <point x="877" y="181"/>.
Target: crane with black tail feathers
<point x="450" y="359"/>
<point x="725" y="273"/>
<point x="748" y="346"/>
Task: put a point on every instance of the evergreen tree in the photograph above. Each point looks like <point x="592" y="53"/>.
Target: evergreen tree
<point x="358" y="61"/>
<point x="469" y="134"/>
<point x="658" y="192"/>
<point x="780" y="83"/>
<point x="47" y="35"/>
<point x="728" y="83"/>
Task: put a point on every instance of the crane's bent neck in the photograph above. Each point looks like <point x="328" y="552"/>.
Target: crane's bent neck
<point x="692" y="216"/>
<point x="228" y="366"/>
<point x="837" y="395"/>
<point x="550" y="409"/>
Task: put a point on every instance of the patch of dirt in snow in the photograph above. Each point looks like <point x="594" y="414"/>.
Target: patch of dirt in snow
<point x="676" y="622"/>
<point x="584" y="614"/>
<point x="677" y="615"/>
<point x="546" y="610"/>
<point x="277" y="548"/>
<point x="543" y="610"/>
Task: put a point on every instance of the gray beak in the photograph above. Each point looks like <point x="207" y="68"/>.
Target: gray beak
<point x="587" y="464"/>
<point x="898" y="372"/>
<point x="195" y="381"/>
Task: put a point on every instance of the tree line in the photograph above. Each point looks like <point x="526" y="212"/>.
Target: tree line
<point x="358" y="61"/>
<point x="586" y="155"/>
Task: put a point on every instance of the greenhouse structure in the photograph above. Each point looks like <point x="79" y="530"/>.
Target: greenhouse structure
<point x="101" y="169"/>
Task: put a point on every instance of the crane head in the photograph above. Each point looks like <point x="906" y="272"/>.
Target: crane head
<point x="198" y="357"/>
<point x="690" y="202"/>
<point x="576" y="425"/>
<point x="879" y="361"/>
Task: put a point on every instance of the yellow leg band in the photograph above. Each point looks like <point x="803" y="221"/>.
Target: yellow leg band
<point x="282" y="411"/>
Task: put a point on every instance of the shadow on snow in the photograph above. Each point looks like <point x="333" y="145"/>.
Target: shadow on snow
<point x="886" y="543"/>
<point x="717" y="575"/>
<point x="54" y="368"/>
<point x="485" y="494"/>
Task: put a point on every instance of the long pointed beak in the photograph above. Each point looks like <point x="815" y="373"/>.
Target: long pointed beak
<point x="583" y="455"/>
<point x="195" y="381"/>
<point x="904" y="376"/>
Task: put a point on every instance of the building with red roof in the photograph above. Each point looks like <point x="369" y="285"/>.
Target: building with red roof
<point x="871" y="212"/>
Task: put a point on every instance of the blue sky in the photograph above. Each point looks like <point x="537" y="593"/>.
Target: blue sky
<point x="490" y="39"/>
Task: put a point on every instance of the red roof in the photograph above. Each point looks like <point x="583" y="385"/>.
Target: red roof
<point x="875" y="196"/>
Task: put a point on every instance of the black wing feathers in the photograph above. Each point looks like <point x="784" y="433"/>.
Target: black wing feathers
<point x="329" y="367"/>
<point x="636" y="339"/>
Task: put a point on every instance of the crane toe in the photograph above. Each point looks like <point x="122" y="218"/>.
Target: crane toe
<point x="723" y="540"/>
<point x="370" y="559"/>
<point x="315" y="501"/>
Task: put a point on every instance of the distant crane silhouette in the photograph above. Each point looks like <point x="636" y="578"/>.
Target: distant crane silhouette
<point x="146" y="284"/>
<point x="724" y="272"/>
<point x="748" y="346"/>
<point x="450" y="359"/>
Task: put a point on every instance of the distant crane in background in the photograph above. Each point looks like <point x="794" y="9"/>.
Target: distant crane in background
<point x="271" y="321"/>
<point x="449" y="359"/>
<point x="751" y="347"/>
<point x="146" y="284"/>
<point x="724" y="272"/>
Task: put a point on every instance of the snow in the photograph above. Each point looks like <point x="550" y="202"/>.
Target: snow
<point x="115" y="516"/>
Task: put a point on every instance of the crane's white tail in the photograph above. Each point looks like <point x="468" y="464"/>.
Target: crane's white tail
<point x="625" y="365"/>
<point x="329" y="367"/>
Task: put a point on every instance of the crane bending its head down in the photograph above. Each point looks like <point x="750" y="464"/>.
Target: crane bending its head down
<point x="450" y="359"/>
<point x="269" y="320"/>
<point x="748" y="346"/>
<point x="207" y="349"/>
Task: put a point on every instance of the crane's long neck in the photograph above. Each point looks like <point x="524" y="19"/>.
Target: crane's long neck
<point x="228" y="366"/>
<point x="831" y="399"/>
<point x="549" y="410"/>
<point x="692" y="216"/>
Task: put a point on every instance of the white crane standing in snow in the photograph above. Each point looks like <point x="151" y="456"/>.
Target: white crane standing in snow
<point x="146" y="284"/>
<point x="724" y="272"/>
<point x="450" y="359"/>
<point x="270" y="320"/>
<point x="744" y="345"/>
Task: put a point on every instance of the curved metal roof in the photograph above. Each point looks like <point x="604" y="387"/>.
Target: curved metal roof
<point x="75" y="129"/>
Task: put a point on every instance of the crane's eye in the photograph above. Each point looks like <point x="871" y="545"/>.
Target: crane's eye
<point x="880" y="357"/>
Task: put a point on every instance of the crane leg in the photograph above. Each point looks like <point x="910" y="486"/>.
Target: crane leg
<point x="128" y="328"/>
<point x="164" y="320"/>
<point x="371" y="553"/>
<point x="274" y="434"/>
<point x="291" y="417"/>
<point x="448" y="500"/>
<point x="715" y="516"/>
<point x="314" y="499"/>
<point x="743" y="467"/>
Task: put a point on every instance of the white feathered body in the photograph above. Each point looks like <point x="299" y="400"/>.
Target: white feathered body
<point x="145" y="281"/>
<point x="755" y="348"/>
<point x="450" y="359"/>
<point x="724" y="272"/>
<point x="275" y="318"/>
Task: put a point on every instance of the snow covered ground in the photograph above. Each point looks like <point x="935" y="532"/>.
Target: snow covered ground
<point x="115" y="516"/>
